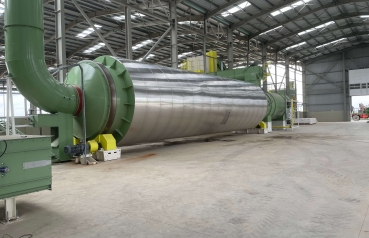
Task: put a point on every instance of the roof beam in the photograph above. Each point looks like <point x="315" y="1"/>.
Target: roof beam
<point x="161" y="18"/>
<point x="121" y="9"/>
<point x="93" y="27"/>
<point x="326" y="33"/>
<point x="338" y="17"/>
<point x="91" y="43"/>
<point x="332" y="53"/>
<point x="325" y="6"/>
<point x="90" y="15"/>
<point x="221" y="8"/>
<point x="328" y="41"/>
<point x="151" y="36"/>
<point x="167" y="46"/>
<point x="191" y="18"/>
<point x="264" y="12"/>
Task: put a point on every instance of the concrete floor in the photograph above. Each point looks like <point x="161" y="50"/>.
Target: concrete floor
<point x="312" y="182"/>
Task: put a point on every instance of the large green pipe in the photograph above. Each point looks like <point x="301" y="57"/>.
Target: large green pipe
<point x="24" y="44"/>
<point x="251" y="74"/>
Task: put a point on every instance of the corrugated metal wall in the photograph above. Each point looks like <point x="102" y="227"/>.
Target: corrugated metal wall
<point x="325" y="80"/>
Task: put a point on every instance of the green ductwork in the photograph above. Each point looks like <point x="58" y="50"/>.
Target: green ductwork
<point x="24" y="43"/>
<point x="252" y="74"/>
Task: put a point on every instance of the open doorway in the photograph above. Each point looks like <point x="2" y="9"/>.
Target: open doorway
<point x="359" y="108"/>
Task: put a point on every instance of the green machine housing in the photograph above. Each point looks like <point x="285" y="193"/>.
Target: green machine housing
<point x="25" y="165"/>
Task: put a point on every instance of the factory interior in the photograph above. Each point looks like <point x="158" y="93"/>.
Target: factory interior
<point x="184" y="118"/>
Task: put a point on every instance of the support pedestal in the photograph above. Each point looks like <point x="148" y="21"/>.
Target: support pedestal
<point x="10" y="209"/>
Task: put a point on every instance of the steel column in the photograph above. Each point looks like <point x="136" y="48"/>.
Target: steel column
<point x="204" y="43"/>
<point x="7" y="107"/>
<point x="295" y="79"/>
<point x="248" y="52"/>
<point x="128" y="29"/>
<point x="230" y="47"/>
<point x="287" y="68"/>
<point x="276" y="71"/>
<point x="263" y="63"/>
<point x="173" y="34"/>
<point x="61" y="58"/>
<point x="345" y="115"/>
<point x="304" y="104"/>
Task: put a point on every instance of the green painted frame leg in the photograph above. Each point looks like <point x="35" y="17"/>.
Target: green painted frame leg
<point x="61" y="125"/>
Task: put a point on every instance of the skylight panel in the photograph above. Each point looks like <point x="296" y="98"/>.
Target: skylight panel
<point x="148" y="57"/>
<point x="184" y="54"/>
<point x="119" y="18"/>
<point x="332" y="42"/>
<point x="94" y="48"/>
<point x="271" y="30"/>
<point x="87" y="32"/>
<point x="122" y="17"/>
<point x="139" y="15"/>
<point x="237" y="8"/>
<point x="188" y="22"/>
<point x="142" y="44"/>
<point x="292" y="6"/>
<point x="294" y="46"/>
<point x="316" y="28"/>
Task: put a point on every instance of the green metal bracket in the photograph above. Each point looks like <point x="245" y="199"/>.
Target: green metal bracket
<point x="61" y="126"/>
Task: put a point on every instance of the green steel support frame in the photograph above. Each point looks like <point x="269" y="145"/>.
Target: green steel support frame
<point x="61" y="126"/>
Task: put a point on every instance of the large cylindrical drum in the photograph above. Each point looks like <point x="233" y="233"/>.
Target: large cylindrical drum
<point x="276" y="105"/>
<point x="172" y="103"/>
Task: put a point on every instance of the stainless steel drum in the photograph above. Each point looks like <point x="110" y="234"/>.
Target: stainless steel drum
<point x="172" y="103"/>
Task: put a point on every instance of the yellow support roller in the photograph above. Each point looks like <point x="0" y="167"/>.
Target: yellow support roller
<point x="107" y="141"/>
<point x="76" y="141"/>
<point x="263" y="125"/>
<point x="94" y="146"/>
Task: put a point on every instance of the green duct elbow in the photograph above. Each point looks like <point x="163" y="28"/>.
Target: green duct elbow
<point x="24" y="37"/>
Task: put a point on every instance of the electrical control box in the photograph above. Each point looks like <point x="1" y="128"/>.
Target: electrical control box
<point x="25" y="165"/>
